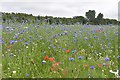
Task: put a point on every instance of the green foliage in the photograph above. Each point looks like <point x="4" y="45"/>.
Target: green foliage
<point x="99" y="19"/>
<point x="90" y="19"/>
<point x="16" y="61"/>
<point x="91" y="15"/>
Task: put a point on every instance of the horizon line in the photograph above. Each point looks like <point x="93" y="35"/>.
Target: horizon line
<point x="53" y="16"/>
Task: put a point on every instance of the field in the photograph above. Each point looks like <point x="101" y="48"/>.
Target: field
<point x="59" y="51"/>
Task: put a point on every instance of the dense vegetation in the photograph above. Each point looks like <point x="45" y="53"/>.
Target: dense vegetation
<point x="90" y="19"/>
<point x="47" y="47"/>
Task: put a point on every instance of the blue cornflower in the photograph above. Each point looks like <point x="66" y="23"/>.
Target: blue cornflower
<point x="119" y="57"/>
<point x="42" y="38"/>
<point x="86" y="38"/>
<point x="63" y="24"/>
<point x="103" y="64"/>
<point x="21" y="32"/>
<point x="30" y="36"/>
<point x="30" y="41"/>
<point x="26" y="43"/>
<point x="37" y="26"/>
<point x="109" y="43"/>
<point x="106" y="38"/>
<point x="88" y="74"/>
<point x="66" y="33"/>
<point x="10" y="55"/>
<point x="62" y="28"/>
<point x="75" y="35"/>
<point x="80" y="57"/>
<point x="63" y="49"/>
<point x="95" y="36"/>
<point x="106" y="59"/>
<point x="92" y="67"/>
<point x="71" y="59"/>
<point x="74" y="40"/>
<point x="19" y="50"/>
<point x="55" y="35"/>
<point x="58" y="47"/>
<point x="23" y="22"/>
<point x="54" y="47"/>
<point x="12" y="41"/>
<point x="93" y="31"/>
<point x="32" y="24"/>
<point x="16" y="36"/>
<point x="0" y="41"/>
<point x="1" y="26"/>
<point x="73" y="51"/>
<point x="27" y="75"/>
<point x="34" y="31"/>
<point x="110" y="24"/>
<point x="116" y="34"/>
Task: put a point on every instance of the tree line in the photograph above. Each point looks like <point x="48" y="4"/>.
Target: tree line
<point x="89" y="19"/>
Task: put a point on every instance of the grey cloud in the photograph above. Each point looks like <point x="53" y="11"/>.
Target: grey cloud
<point x="62" y="8"/>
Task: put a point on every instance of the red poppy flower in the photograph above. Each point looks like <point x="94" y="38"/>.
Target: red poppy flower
<point x="52" y="69"/>
<point x="67" y="51"/>
<point x="98" y="30"/>
<point x="51" y="59"/>
<point x="9" y="46"/>
<point x="85" y="65"/>
<point x="99" y="65"/>
<point x="46" y="58"/>
<point x="57" y="63"/>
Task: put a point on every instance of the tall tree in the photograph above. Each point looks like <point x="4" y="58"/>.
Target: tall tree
<point x="99" y="18"/>
<point x="91" y="15"/>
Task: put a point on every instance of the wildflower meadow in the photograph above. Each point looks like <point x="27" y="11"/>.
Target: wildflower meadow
<point x="59" y="51"/>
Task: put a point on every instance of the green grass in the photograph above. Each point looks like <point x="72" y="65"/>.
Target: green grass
<point x="0" y="57"/>
<point x="93" y="51"/>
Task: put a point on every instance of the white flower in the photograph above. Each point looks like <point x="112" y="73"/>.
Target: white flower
<point x="43" y="61"/>
<point x="116" y="73"/>
<point x="16" y="41"/>
<point x="14" y="72"/>
<point x="100" y="53"/>
<point x="26" y="27"/>
<point x="102" y="70"/>
<point x="56" y="41"/>
<point x="26" y="46"/>
<point x="65" y="31"/>
<point x="10" y="76"/>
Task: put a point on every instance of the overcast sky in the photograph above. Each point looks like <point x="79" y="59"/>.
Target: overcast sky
<point x="61" y="8"/>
